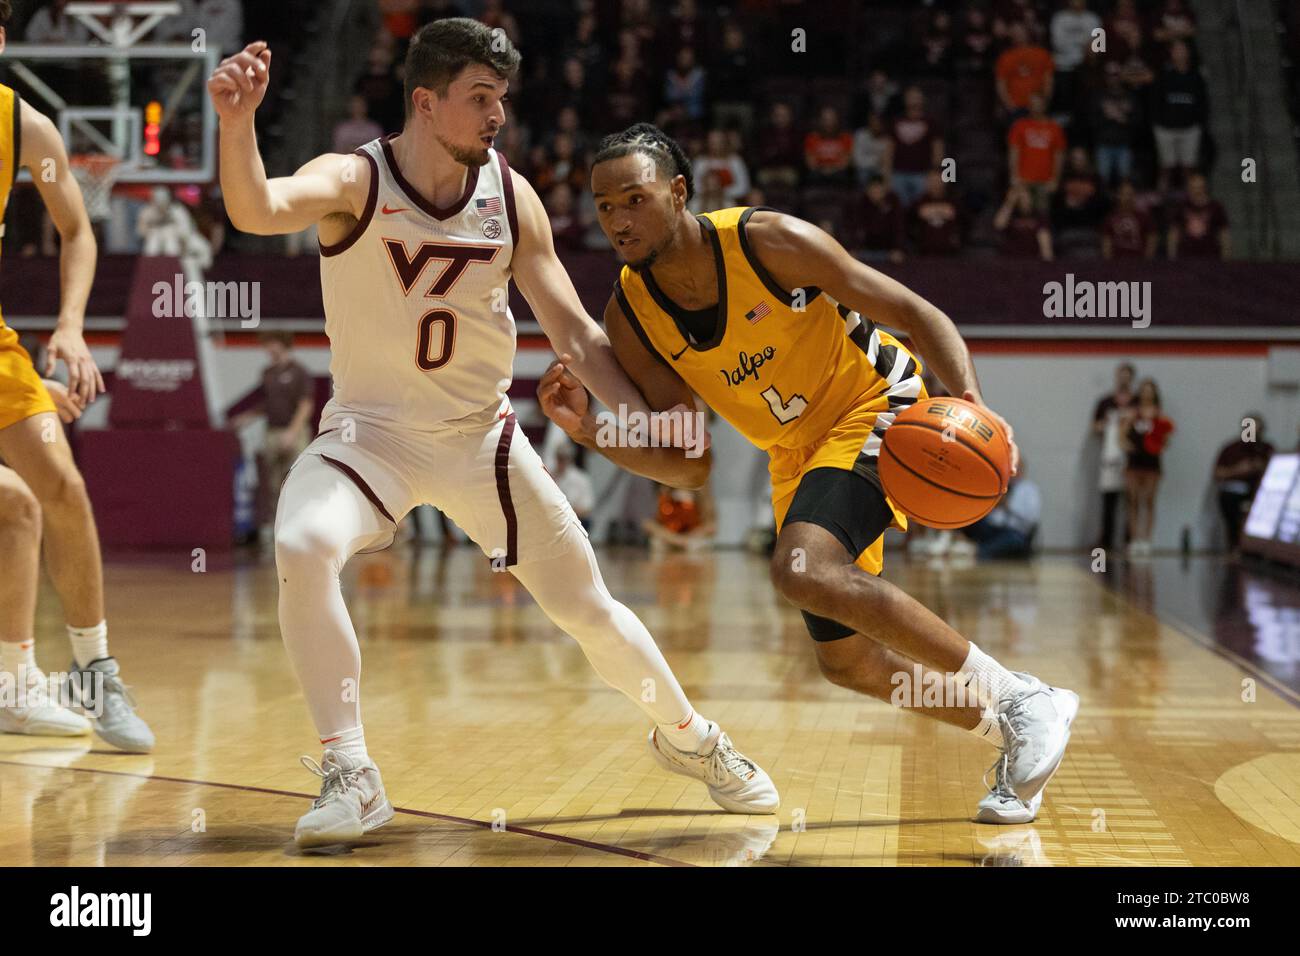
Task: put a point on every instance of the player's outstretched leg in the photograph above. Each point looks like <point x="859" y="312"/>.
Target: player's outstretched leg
<point x="1034" y="719"/>
<point x="37" y="449"/>
<point x="322" y="520"/>
<point x="25" y="704"/>
<point x="570" y="590"/>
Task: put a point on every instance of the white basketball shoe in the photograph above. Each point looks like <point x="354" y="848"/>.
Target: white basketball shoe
<point x="1035" y="730"/>
<point x="34" y="712"/>
<point x="352" y="802"/>
<point x="1001" y="805"/>
<point x="735" y="782"/>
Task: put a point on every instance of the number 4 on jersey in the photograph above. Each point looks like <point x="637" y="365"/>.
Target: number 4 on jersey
<point x="785" y="412"/>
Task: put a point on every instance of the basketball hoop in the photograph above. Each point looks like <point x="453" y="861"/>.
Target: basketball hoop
<point x="96" y="173"/>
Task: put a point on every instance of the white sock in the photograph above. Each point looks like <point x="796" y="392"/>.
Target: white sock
<point x="350" y="743"/>
<point x="990" y="681"/>
<point x="18" y="659"/>
<point x="689" y="734"/>
<point x="89" y="643"/>
<point x="989" y="729"/>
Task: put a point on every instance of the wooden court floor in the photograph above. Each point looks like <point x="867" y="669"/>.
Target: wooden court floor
<point x="500" y="747"/>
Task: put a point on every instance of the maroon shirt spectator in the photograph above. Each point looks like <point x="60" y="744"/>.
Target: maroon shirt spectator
<point x="1200" y="225"/>
<point x="1025" y="233"/>
<point x="880" y="221"/>
<point x="779" y="149"/>
<point x="1128" y="232"/>
<point x="1078" y="202"/>
<point x="917" y="144"/>
<point x="975" y="48"/>
<point x="936" y="220"/>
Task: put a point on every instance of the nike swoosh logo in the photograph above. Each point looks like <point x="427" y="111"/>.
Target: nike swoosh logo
<point x="682" y="352"/>
<point x="365" y="807"/>
<point x="388" y="212"/>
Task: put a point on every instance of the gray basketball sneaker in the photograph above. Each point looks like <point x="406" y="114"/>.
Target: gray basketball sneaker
<point x="351" y="802"/>
<point x="98" y="691"/>
<point x="1035" y="730"/>
<point x="735" y="782"/>
<point x="1001" y="805"/>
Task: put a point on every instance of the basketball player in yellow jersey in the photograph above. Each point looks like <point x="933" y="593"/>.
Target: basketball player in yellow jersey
<point x="770" y="322"/>
<point x="41" y="485"/>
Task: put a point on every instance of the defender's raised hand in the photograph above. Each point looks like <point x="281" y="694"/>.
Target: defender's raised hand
<point x="239" y="82"/>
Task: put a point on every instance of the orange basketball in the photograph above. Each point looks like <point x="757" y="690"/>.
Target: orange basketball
<point x="945" y="462"/>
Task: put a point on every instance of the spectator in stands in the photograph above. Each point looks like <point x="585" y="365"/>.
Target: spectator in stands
<point x="684" y="90"/>
<point x="879" y="222"/>
<point x="53" y="25"/>
<point x="585" y="47"/>
<point x="914" y="147"/>
<point x="287" y="402"/>
<point x="828" y="150"/>
<point x="724" y="163"/>
<point x="566" y="225"/>
<point x="1145" y="432"/>
<point x="1199" y="226"/>
<point x="1035" y="152"/>
<point x="869" y="144"/>
<point x="573" y="91"/>
<point x="1025" y="231"/>
<point x="1179" y="104"/>
<point x="495" y="17"/>
<point x="1128" y="232"/>
<point x="1008" y="530"/>
<point x="1135" y="68"/>
<point x="1009" y="13"/>
<point x="975" y="48"/>
<point x="1114" y="125"/>
<point x="1107" y="417"/>
<point x="1022" y="71"/>
<point x="1174" y="23"/>
<point x="358" y="128"/>
<point x="779" y="150"/>
<point x="1079" y="204"/>
<point x="166" y="228"/>
<point x="934" y="55"/>
<point x="881" y="94"/>
<point x="381" y="91"/>
<point x="731" y="80"/>
<point x="399" y="17"/>
<point x="1237" y="473"/>
<point x="1072" y="29"/>
<point x="627" y="96"/>
<point x="936" y="220"/>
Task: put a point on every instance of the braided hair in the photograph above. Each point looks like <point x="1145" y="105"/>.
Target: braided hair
<point x="669" y="159"/>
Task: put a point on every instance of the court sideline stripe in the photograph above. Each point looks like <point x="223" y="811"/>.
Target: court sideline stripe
<point x="429" y="814"/>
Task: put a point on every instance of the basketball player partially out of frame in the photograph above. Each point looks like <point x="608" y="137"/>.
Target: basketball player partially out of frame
<point x="770" y="322"/>
<point x="40" y="486"/>
<point x="421" y="358"/>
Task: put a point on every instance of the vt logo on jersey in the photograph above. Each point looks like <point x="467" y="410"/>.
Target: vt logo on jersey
<point x="749" y="365"/>
<point x="458" y="257"/>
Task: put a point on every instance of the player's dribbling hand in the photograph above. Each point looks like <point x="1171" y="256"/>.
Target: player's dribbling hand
<point x="563" y="398"/>
<point x="1006" y="427"/>
<point x="67" y="405"/>
<point x="239" y="82"/>
<point x="84" y="380"/>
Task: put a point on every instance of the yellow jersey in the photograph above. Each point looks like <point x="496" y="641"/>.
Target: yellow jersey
<point x="783" y="367"/>
<point x="10" y="144"/>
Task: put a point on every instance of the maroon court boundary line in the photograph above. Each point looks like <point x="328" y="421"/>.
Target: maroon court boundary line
<point x="428" y="814"/>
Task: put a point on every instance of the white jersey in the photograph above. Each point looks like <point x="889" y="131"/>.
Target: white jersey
<point x="415" y="300"/>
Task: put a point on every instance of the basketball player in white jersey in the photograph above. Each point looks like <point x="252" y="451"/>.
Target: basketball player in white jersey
<point x="420" y="236"/>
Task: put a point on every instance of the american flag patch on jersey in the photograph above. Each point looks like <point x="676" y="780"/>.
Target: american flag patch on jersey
<point x="488" y="207"/>
<point x="758" y="311"/>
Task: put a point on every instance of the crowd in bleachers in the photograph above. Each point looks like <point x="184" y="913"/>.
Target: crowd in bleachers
<point x="925" y="129"/>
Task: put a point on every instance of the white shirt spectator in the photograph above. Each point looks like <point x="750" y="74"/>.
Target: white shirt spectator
<point x="733" y="176"/>
<point x="868" y="153"/>
<point x="1071" y="34"/>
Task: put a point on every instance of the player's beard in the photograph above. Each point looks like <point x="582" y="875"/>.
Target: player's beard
<point x="466" y="157"/>
<point x="642" y="265"/>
